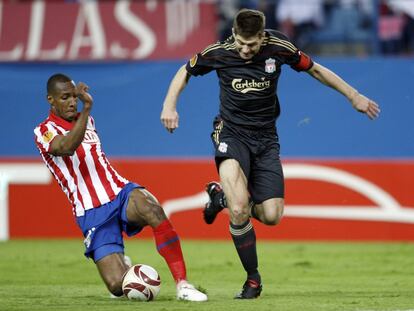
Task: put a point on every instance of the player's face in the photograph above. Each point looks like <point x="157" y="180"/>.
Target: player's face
<point x="248" y="47"/>
<point x="64" y="100"/>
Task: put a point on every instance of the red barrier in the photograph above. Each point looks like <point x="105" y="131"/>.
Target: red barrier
<point x="325" y="200"/>
<point x="107" y="30"/>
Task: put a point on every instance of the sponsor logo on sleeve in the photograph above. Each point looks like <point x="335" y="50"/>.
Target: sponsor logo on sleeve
<point x="47" y="136"/>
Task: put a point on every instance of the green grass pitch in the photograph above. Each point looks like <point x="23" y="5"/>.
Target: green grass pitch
<point x="54" y="275"/>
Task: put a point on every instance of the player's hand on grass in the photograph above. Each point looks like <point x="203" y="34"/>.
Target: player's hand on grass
<point x="365" y="105"/>
<point x="84" y="96"/>
<point x="169" y="118"/>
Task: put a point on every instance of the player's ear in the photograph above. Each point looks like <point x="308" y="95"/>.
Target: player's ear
<point x="49" y="98"/>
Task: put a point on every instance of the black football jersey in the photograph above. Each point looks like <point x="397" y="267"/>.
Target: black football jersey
<point x="248" y="88"/>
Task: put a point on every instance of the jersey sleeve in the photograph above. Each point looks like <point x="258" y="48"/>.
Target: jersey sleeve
<point x="303" y="62"/>
<point x="91" y="122"/>
<point x="291" y="55"/>
<point x="44" y="135"/>
<point x="204" y="62"/>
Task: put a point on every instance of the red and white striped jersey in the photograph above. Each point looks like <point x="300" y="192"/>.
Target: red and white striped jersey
<point x="86" y="177"/>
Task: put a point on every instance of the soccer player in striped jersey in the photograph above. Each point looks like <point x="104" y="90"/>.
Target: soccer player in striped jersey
<point x="105" y="204"/>
<point x="248" y="65"/>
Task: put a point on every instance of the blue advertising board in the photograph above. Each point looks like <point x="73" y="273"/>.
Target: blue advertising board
<point x="316" y="122"/>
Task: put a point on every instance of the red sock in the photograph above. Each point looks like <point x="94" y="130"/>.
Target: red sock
<point x="169" y="247"/>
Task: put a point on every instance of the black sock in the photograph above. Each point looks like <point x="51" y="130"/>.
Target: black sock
<point x="220" y="200"/>
<point x="244" y="239"/>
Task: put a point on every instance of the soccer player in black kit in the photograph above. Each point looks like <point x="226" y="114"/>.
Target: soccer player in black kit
<point x="248" y="65"/>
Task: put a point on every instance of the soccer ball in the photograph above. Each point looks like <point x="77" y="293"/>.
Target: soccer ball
<point x="141" y="282"/>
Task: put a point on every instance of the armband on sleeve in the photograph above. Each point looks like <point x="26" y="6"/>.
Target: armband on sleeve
<point x="305" y="62"/>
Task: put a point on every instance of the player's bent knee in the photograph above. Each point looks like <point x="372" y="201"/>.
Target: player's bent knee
<point x="152" y="214"/>
<point x="272" y="221"/>
<point x="147" y="209"/>
<point x="158" y="212"/>
<point x="149" y="196"/>
<point x="273" y="217"/>
<point x="239" y="215"/>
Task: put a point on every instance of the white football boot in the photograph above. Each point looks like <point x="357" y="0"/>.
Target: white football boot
<point x="187" y="291"/>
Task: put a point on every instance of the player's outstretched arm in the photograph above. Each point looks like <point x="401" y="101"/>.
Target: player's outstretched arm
<point x="64" y="145"/>
<point x="169" y="115"/>
<point x="358" y="101"/>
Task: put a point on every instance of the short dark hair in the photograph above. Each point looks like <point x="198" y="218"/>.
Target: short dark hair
<point x="54" y="79"/>
<point x="248" y="23"/>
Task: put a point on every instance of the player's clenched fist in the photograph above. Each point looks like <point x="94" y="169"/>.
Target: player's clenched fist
<point x="169" y="118"/>
<point x="82" y="93"/>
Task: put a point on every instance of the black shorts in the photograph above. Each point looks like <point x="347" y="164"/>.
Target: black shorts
<point x="257" y="151"/>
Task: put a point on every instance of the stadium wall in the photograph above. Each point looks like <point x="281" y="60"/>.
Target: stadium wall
<point x="325" y="200"/>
